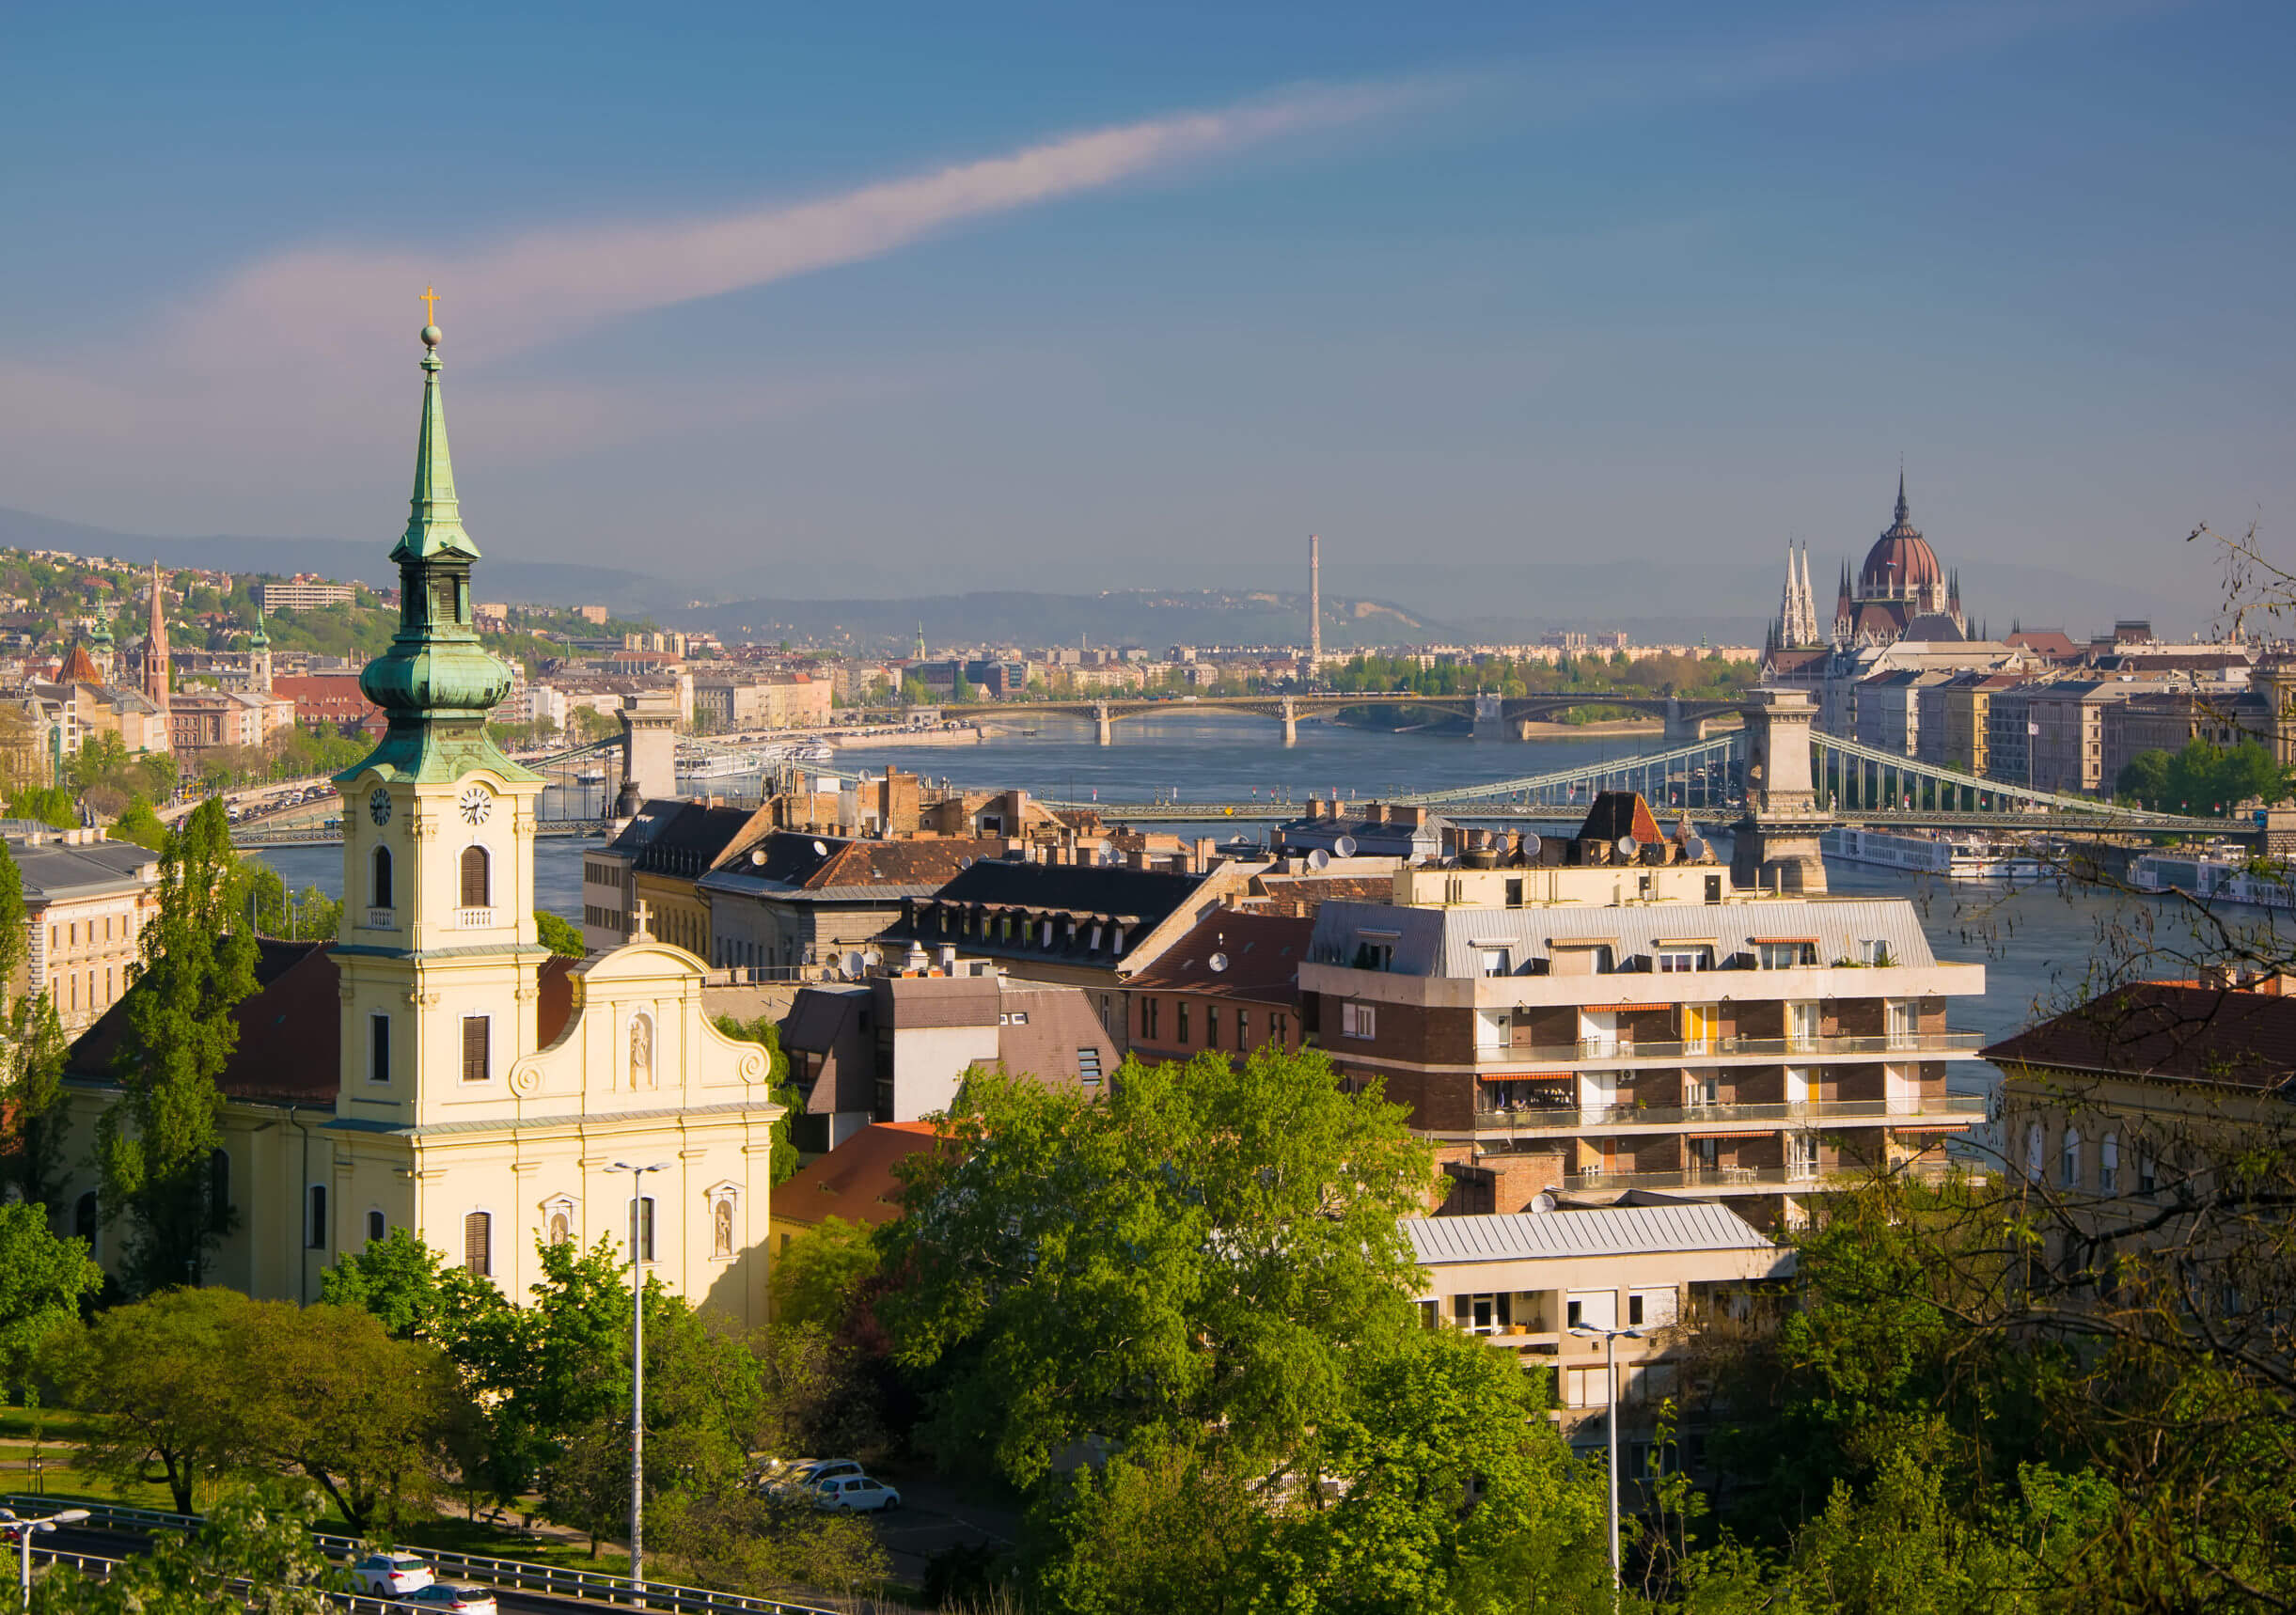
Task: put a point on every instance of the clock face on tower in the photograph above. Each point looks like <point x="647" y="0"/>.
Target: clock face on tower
<point x="378" y="806"/>
<point x="477" y="804"/>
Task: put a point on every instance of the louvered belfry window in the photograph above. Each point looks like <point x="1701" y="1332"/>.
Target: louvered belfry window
<point x="474" y="882"/>
<point x="478" y="1244"/>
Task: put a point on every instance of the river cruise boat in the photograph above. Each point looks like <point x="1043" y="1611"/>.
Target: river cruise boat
<point x="2219" y="876"/>
<point x="1949" y="857"/>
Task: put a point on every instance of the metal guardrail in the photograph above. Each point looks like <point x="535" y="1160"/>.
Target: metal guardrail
<point x="1536" y="1119"/>
<point x="523" y="1576"/>
<point x="1617" y="1051"/>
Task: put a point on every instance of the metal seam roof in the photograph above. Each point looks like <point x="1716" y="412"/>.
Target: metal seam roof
<point x="1618" y="1230"/>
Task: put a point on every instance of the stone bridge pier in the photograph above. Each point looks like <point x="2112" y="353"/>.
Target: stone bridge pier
<point x="1491" y="718"/>
<point x="1682" y="731"/>
<point x="1104" y="726"/>
<point x="1291" y="723"/>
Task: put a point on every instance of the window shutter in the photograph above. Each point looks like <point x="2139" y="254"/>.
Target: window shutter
<point x="474" y="878"/>
<point x="478" y="1239"/>
<point x="475" y="1066"/>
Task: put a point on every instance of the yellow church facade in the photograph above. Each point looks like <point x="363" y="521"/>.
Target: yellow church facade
<point x="435" y="1068"/>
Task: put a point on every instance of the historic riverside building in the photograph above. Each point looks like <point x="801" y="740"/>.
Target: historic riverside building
<point x="1616" y="1017"/>
<point x="435" y="1068"/>
<point x="1900" y="592"/>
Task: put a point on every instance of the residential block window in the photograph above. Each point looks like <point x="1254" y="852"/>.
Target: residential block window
<point x="378" y="1048"/>
<point x="1148" y="1018"/>
<point x="1652" y="1309"/>
<point x="1801" y="1025"/>
<point x="1375" y="953"/>
<point x="1180" y="1008"/>
<point x="2108" y="1164"/>
<point x="1495" y="962"/>
<point x="1359" y="1021"/>
<point x="1278" y="1028"/>
<point x="1674" y="961"/>
<point x="2032" y="1152"/>
<point x="478" y="884"/>
<point x="2068" y="1161"/>
<point x="1514" y="892"/>
<point x="1243" y="1028"/>
<point x="2147" y="1175"/>
<point x="478" y="1243"/>
<point x="1904" y="1024"/>
<point x="1786" y="955"/>
<point x="1211" y="1025"/>
<point x="477" y="1066"/>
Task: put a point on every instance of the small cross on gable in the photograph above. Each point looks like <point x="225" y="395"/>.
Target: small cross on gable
<point x="640" y="915"/>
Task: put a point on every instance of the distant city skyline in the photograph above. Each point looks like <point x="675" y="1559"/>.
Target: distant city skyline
<point x="1146" y="299"/>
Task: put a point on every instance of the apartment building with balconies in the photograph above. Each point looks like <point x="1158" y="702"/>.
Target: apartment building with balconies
<point x="1607" y="1021"/>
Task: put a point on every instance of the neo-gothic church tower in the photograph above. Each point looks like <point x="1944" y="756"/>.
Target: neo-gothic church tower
<point x="452" y="1116"/>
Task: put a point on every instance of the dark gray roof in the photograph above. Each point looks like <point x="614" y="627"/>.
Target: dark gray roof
<point x="53" y="872"/>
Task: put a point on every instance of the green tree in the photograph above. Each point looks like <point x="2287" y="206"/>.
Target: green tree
<point x="327" y="1391"/>
<point x="254" y="1550"/>
<point x="50" y="805"/>
<point x="14" y="918"/>
<point x="41" y="1280"/>
<point x="408" y="1287"/>
<point x="561" y="936"/>
<point x="307" y="915"/>
<point x="162" y="1373"/>
<point x="817" y="1276"/>
<point x="153" y="1143"/>
<point x="784" y="1162"/>
<point x="137" y="822"/>
<point x="32" y="1125"/>
<point x="1234" y="1226"/>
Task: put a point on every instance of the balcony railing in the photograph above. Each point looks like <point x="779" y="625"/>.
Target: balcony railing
<point x="1753" y="1180"/>
<point x="1626" y="1051"/>
<point x="1808" y="1113"/>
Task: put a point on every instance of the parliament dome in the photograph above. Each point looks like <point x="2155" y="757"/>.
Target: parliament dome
<point x="1901" y="561"/>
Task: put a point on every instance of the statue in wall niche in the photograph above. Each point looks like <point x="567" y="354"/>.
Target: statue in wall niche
<point x="641" y="1051"/>
<point x="721" y="1227"/>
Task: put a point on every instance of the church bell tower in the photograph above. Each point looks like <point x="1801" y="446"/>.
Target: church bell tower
<point x="438" y="952"/>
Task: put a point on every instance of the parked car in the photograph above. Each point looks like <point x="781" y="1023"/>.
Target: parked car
<point x="856" y="1494"/>
<point x="454" y="1597"/>
<point x="800" y="1476"/>
<point x="390" y="1574"/>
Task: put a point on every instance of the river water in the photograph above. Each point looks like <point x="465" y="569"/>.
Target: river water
<point x="2035" y="942"/>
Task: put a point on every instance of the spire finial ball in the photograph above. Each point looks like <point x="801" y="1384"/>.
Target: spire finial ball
<point x="429" y="336"/>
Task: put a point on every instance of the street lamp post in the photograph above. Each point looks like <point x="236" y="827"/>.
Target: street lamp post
<point x="1610" y="1339"/>
<point x="22" y="1528"/>
<point x="637" y="1365"/>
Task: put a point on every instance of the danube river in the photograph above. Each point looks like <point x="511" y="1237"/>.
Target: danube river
<point x="2035" y="942"/>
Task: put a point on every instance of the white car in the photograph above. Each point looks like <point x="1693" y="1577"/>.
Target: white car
<point x="856" y="1494"/>
<point x="388" y="1574"/>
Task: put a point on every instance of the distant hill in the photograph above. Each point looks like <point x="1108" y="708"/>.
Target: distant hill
<point x="546" y="583"/>
<point x="1153" y="618"/>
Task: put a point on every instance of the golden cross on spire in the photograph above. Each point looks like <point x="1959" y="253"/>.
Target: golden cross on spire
<point x="429" y="305"/>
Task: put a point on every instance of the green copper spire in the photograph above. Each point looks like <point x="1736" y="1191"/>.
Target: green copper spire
<point x="259" y="641"/>
<point x="434" y="515"/>
<point x="436" y="681"/>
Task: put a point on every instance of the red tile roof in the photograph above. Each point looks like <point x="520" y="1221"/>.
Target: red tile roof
<point x="1260" y="956"/>
<point x="855" y="1181"/>
<point x="2169" y="1030"/>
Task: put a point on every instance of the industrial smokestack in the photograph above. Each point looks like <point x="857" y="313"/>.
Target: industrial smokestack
<point x="1315" y="603"/>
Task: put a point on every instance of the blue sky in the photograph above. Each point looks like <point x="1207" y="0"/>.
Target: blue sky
<point x="842" y="299"/>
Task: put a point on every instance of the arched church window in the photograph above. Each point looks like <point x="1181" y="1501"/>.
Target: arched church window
<point x="376" y="1228"/>
<point x="478" y="1243"/>
<point x="379" y="886"/>
<point x="477" y="886"/>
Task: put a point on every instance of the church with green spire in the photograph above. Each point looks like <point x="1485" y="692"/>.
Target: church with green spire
<point x="434" y="1068"/>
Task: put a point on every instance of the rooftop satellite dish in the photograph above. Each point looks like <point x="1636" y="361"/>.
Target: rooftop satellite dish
<point x="1543" y="1201"/>
<point x="1694" y="848"/>
<point x="1530" y="844"/>
<point x="1344" y="847"/>
<point x="1218" y="962"/>
<point x="1319" y="859"/>
<point x="852" y="967"/>
<point x="874" y="956"/>
<point x="965" y="862"/>
<point x="1628" y="847"/>
<point x="757" y="855"/>
<point x="821" y="849"/>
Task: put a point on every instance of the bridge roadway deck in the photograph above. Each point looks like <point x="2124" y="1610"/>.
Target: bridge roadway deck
<point x="2089" y="826"/>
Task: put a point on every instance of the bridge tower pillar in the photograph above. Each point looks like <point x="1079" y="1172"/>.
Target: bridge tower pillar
<point x="1291" y="722"/>
<point x="1775" y="844"/>
<point x="1103" y="726"/>
<point x="1491" y="716"/>
<point x="1679" y="729"/>
<point x="649" y="749"/>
